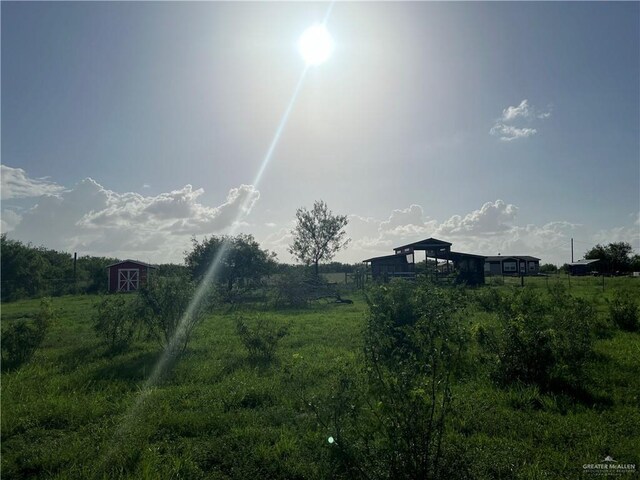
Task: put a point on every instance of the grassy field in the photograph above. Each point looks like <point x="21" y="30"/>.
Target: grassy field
<point x="75" y="411"/>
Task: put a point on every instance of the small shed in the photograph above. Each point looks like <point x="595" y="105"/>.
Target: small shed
<point x="582" y="267"/>
<point x="128" y="275"/>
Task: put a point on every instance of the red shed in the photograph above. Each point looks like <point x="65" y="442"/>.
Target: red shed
<point x="128" y="275"/>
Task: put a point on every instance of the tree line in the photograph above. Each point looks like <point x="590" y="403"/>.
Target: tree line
<point x="30" y="271"/>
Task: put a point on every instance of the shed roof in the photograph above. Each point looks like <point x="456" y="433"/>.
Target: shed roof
<point x="584" y="261"/>
<point x="132" y="261"/>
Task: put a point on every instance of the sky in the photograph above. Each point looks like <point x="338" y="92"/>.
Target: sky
<point x="502" y="127"/>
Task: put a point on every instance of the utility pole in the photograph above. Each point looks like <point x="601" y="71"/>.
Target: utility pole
<point x="572" y="250"/>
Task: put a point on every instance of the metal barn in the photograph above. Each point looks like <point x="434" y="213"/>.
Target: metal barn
<point x="465" y="267"/>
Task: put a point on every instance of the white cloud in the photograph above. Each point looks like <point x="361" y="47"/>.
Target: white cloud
<point x="491" y="218"/>
<point x="508" y="133"/>
<point x="16" y="184"/>
<point x="94" y="220"/>
<point x="506" y="130"/>
<point x="10" y="220"/>
<point x="511" y="113"/>
<point x="489" y="230"/>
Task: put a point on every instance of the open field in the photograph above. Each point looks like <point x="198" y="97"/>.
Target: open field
<point x="74" y="411"/>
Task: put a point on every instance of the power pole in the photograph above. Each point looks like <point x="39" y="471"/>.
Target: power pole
<point x="572" y="250"/>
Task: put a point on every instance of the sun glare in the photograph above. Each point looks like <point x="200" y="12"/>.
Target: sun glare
<point x="315" y="45"/>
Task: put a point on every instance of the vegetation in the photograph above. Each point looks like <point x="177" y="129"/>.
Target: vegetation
<point x="240" y="259"/>
<point x="623" y="311"/>
<point x="166" y="308"/>
<point x="260" y="339"/>
<point x="318" y="235"/>
<point x="614" y="257"/>
<point x="21" y="339"/>
<point x="368" y="369"/>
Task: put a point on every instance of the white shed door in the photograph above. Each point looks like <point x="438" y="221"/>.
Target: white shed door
<point x="128" y="279"/>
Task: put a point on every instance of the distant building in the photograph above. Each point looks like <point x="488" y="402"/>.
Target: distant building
<point x="512" y="265"/>
<point x="128" y="275"/>
<point x="582" y="267"/>
<point x="468" y="268"/>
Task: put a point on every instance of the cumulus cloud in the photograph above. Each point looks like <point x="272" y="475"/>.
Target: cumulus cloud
<point x="16" y="184"/>
<point x="509" y="126"/>
<point x="492" y="217"/>
<point x="491" y="229"/>
<point x="95" y="220"/>
<point x="9" y="221"/>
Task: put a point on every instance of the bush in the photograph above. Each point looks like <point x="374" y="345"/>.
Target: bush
<point x="165" y="308"/>
<point x="387" y="419"/>
<point x="262" y="338"/>
<point x="488" y="299"/>
<point x="296" y="289"/>
<point x="22" y="338"/>
<point x="544" y="341"/>
<point x="623" y="312"/>
<point x="115" y="321"/>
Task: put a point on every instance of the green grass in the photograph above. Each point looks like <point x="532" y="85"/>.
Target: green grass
<point x="75" y="411"/>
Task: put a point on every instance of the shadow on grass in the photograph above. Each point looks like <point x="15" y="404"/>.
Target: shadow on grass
<point x="129" y="368"/>
<point x="575" y="394"/>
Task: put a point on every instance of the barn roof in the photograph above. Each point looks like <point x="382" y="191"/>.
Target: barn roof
<point x="426" y="243"/>
<point x="148" y="265"/>
<point x="460" y="255"/>
<point x="385" y="257"/>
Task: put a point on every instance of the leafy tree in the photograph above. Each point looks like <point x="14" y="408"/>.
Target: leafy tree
<point x="614" y="257"/>
<point x="318" y="235"/>
<point x="244" y="260"/>
<point x="23" y="268"/>
<point x="548" y="268"/>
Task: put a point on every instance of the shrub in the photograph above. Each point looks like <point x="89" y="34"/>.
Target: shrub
<point x="544" y="341"/>
<point x="488" y="299"/>
<point x="297" y="289"/>
<point x="165" y="308"/>
<point x="387" y="419"/>
<point x="115" y="321"/>
<point x="260" y="339"/>
<point x="23" y="337"/>
<point x="623" y="311"/>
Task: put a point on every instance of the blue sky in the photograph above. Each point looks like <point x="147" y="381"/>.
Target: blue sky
<point x="502" y="127"/>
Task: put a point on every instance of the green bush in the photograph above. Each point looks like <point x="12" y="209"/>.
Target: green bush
<point x="387" y="420"/>
<point x="23" y="337"/>
<point x="544" y="340"/>
<point x="260" y="339"/>
<point x="623" y="312"/>
<point x="165" y="307"/>
<point x="297" y="289"/>
<point x="488" y="299"/>
<point x="115" y="321"/>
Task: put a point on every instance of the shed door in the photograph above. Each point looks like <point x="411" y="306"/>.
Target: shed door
<point x="128" y="279"/>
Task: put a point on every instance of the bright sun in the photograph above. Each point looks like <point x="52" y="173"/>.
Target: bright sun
<point x="315" y="45"/>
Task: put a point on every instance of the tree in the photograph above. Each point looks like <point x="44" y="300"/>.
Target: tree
<point x="614" y="257"/>
<point x="244" y="260"/>
<point x="318" y="235"/>
<point x="548" y="268"/>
